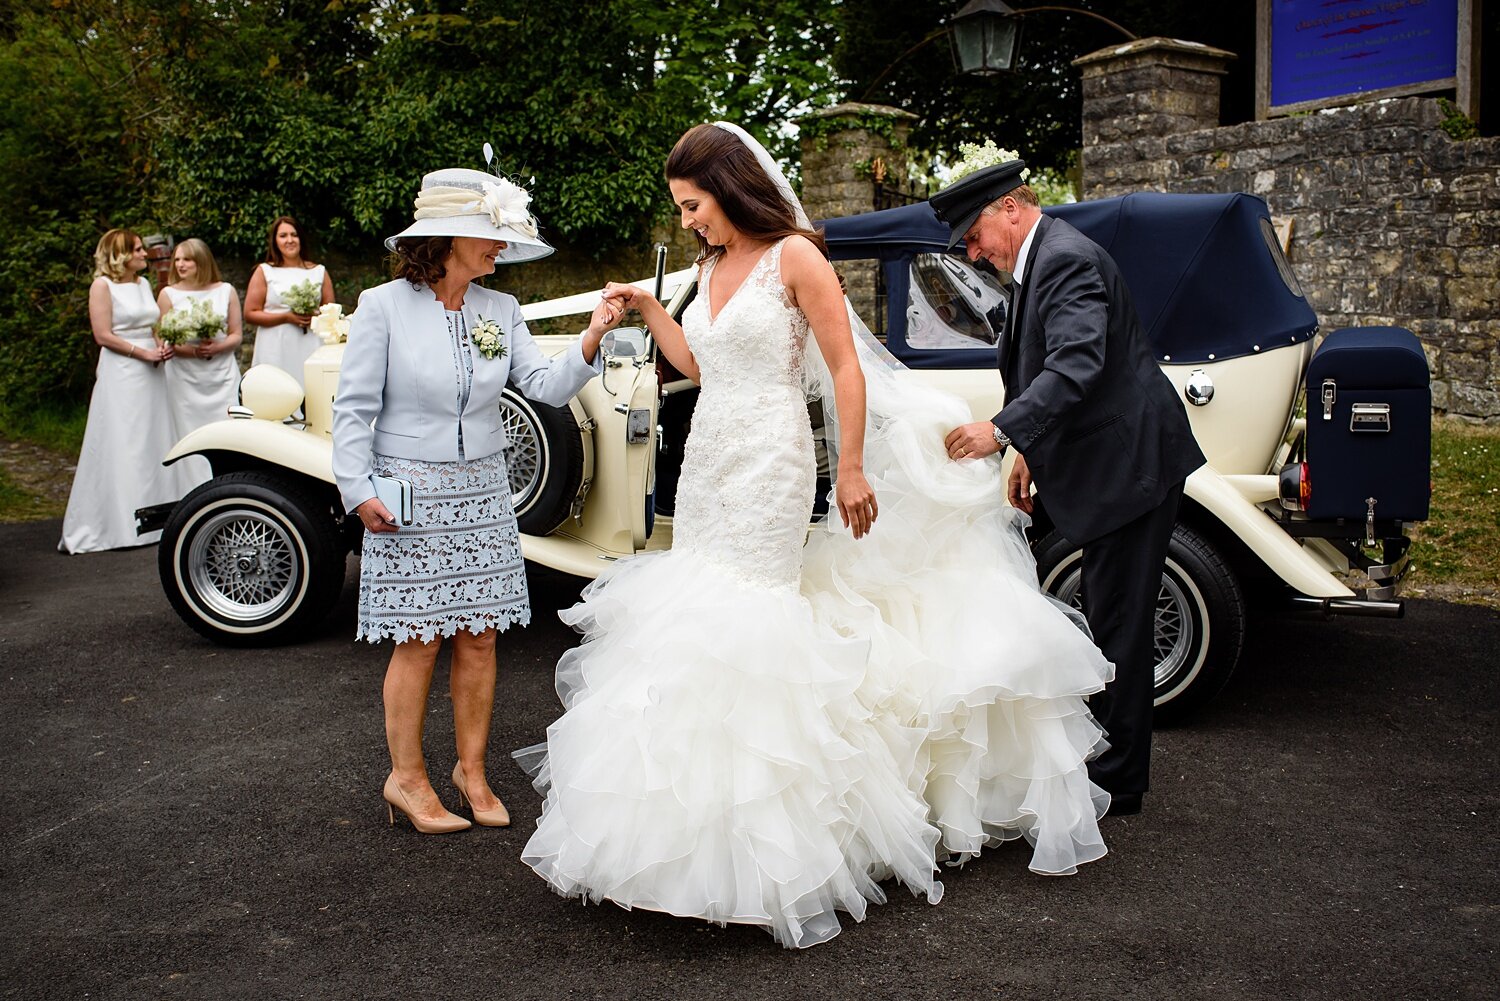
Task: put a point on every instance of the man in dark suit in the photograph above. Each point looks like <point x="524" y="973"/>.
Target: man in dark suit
<point x="1098" y="428"/>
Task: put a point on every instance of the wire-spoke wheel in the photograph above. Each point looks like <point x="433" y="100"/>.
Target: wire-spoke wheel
<point x="251" y="558"/>
<point x="1200" y="616"/>
<point x="544" y="458"/>
<point x="242" y="564"/>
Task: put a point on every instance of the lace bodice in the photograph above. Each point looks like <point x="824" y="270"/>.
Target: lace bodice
<point x="757" y="340"/>
<point x="746" y="492"/>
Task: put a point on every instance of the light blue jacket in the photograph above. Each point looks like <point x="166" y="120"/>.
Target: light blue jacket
<point x="398" y="375"/>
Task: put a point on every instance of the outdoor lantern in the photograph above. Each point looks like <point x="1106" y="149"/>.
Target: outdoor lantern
<point x="984" y="36"/>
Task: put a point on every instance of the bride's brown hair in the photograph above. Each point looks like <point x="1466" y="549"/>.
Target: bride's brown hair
<point x="716" y="161"/>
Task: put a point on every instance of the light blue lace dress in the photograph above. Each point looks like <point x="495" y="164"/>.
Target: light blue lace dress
<point x="458" y="565"/>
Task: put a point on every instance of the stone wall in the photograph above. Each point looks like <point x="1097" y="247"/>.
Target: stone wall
<point x="845" y="150"/>
<point x="1393" y="223"/>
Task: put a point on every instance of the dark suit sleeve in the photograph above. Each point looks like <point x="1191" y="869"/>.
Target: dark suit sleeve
<point x="1070" y="304"/>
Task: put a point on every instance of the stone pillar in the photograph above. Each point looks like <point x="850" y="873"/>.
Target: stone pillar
<point x="1151" y="87"/>
<point x="846" y="149"/>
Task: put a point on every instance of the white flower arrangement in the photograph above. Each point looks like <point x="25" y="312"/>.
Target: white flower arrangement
<point x="507" y="204"/>
<point x="304" y="298"/>
<point x="191" y="321"/>
<point x="973" y="157"/>
<point x="330" y="324"/>
<point x="489" y="338"/>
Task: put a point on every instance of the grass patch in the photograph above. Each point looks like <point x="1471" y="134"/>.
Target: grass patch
<point x="19" y="504"/>
<point x="56" y="427"/>
<point x="37" y="448"/>
<point x="1459" y="544"/>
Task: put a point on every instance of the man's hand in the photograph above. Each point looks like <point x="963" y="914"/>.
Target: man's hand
<point x="972" y="441"/>
<point x="1018" y="486"/>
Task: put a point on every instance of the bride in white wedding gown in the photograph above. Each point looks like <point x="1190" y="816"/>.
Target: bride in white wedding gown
<point x="760" y="731"/>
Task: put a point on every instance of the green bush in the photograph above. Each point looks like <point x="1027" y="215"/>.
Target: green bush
<point x="201" y="118"/>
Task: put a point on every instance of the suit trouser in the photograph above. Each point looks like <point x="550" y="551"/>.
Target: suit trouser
<point x="1121" y="580"/>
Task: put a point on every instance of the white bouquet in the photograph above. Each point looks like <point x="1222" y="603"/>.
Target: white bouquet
<point x="973" y="157"/>
<point x="195" y="320"/>
<point x="330" y="324"/>
<point x="303" y="298"/>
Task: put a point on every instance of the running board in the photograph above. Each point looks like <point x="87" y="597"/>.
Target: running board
<point x="1327" y="608"/>
<point x="153" y="518"/>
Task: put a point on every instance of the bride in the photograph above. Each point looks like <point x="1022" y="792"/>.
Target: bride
<point x="762" y="727"/>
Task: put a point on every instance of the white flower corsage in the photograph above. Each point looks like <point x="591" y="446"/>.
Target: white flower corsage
<point x="506" y="203"/>
<point x="489" y="338"/>
<point x="973" y="157"/>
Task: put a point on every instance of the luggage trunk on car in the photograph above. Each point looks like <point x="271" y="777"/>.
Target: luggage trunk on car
<point x="1369" y="426"/>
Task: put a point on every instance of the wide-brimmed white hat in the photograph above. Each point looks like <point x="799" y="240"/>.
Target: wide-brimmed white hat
<point x="463" y="202"/>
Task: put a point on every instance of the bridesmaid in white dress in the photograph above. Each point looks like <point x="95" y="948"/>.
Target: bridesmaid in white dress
<point x="282" y="338"/>
<point x="203" y="378"/>
<point x="129" y="427"/>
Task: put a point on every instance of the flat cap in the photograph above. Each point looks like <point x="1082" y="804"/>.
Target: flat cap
<point x="960" y="203"/>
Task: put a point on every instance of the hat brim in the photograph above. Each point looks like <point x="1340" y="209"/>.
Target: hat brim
<point x="958" y="229"/>
<point x="519" y="247"/>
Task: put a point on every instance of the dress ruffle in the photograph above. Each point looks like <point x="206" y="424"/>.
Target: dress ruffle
<point x="965" y="646"/>
<point x="718" y="762"/>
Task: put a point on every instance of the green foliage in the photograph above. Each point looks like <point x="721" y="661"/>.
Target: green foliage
<point x="1035" y="109"/>
<point x="75" y="134"/>
<point x="209" y="118"/>
<point x="1458" y="125"/>
<point x="1458" y="543"/>
<point x="1052" y="187"/>
<point x="819" y="129"/>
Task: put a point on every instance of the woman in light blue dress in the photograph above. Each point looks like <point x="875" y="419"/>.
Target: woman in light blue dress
<point x="428" y="357"/>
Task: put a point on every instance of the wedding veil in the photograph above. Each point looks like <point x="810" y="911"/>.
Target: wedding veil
<point x="906" y="421"/>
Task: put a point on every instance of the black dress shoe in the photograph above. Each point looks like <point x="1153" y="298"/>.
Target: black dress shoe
<point x="1124" y="804"/>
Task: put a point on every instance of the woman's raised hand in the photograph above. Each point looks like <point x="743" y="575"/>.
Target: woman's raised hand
<point x="629" y="296"/>
<point x="607" y="315"/>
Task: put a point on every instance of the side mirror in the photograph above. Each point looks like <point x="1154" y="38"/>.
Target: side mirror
<point x="269" y="393"/>
<point x="624" y="342"/>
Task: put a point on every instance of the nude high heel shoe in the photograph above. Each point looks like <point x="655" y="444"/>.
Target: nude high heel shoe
<point x="395" y="800"/>
<point x="498" y="817"/>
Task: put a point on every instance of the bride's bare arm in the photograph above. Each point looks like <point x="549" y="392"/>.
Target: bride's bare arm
<point x="667" y="331"/>
<point x="814" y="288"/>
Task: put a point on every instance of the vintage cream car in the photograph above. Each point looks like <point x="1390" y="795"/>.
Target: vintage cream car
<point x="259" y="552"/>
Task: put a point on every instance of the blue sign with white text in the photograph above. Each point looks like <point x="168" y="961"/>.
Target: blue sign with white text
<point x="1323" y="49"/>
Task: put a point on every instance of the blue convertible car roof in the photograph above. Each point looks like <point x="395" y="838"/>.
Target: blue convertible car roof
<point x="1203" y="270"/>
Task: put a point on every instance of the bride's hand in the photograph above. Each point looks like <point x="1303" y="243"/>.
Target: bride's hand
<point x="856" y="501"/>
<point x="629" y="296"/>
<point x="606" y="316"/>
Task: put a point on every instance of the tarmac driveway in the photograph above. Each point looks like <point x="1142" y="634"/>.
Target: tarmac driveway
<point x="186" y="821"/>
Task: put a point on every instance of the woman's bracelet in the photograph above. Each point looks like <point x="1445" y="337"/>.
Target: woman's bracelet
<point x="132" y="352"/>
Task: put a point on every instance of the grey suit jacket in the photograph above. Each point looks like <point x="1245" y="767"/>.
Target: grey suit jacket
<point x="398" y="375"/>
<point x="1100" y="426"/>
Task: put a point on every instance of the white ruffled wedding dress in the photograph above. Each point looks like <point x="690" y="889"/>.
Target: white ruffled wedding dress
<point x="761" y="731"/>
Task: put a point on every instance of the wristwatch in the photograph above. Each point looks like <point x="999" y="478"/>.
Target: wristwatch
<point x="1002" y="439"/>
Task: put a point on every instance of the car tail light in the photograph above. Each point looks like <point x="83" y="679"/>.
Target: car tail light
<point x="1295" y="487"/>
